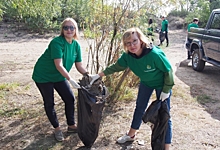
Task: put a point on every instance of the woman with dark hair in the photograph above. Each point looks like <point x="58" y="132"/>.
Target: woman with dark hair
<point x="150" y="30"/>
<point x="150" y="27"/>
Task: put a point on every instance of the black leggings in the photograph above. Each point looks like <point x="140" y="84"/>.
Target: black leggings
<point x="166" y="37"/>
<point x="65" y="92"/>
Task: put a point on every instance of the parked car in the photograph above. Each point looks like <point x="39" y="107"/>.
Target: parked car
<point x="205" y="43"/>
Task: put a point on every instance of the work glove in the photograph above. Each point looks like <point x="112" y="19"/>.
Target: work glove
<point x="74" y="84"/>
<point x="94" y="77"/>
<point x="164" y="96"/>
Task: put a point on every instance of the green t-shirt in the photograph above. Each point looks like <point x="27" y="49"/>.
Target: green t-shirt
<point x="150" y="30"/>
<point x="150" y="68"/>
<point x="192" y="25"/>
<point x="45" y="69"/>
<point x="164" y="26"/>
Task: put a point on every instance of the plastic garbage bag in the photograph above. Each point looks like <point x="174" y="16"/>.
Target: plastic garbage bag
<point x="151" y="113"/>
<point x="161" y="36"/>
<point x="157" y="114"/>
<point x="91" y="101"/>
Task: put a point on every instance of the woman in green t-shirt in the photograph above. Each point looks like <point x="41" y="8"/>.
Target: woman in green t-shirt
<point x="51" y="71"/>
<point x="150" y="30"/>
<point x="150" y="64"/>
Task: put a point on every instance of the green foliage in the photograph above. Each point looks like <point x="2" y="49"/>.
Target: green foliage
<point x="8" y="112"/>
<point x="204" y="99"/>
<point x="1" y="10"/>
<point x="201" y="11"/>
<point x="36" y="14"/>
<point x="176" y="13"/>
<point x="6" y="108"/>
<point x="108" y="23"/>
<point x="214" y="4"/>
<point x="8" y="86"/>
<point x="196" y="9"/>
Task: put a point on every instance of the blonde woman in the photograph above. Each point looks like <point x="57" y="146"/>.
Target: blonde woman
<point x="52" y="72"/>
<point x="151" y="65"/>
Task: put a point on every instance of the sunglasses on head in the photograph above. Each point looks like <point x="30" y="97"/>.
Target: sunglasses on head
<point x="66" y="28"/>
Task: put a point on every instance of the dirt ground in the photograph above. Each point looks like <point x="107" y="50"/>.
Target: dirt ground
<point x="195" y="106"/>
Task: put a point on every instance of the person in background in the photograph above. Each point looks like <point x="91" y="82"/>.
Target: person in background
<point x="150" y="64"/>
<point x="164" y="29"/>
<point x="194" y="24"/>
<point x="51" y="71"/>
<point x="150" y="29"/>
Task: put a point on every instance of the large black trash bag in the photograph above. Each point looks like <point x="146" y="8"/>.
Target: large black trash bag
<point x="151" y="113"/>
<point x="158" y="115"/>
<point x="161" y="36"/>
<point x="91" y="100"/>
<point x="160" y="128"/>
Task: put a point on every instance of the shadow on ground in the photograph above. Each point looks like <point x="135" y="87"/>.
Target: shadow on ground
<point x="204" y="86"/>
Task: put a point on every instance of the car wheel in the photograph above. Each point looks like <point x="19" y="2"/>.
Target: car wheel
<point x="197" y="63"/>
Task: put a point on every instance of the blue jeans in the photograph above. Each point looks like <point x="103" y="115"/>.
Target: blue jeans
<point x="65" y="92"/>
<point x="144" y="94"/>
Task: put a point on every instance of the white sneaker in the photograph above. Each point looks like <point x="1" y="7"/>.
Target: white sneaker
<point x="125" y="138"/>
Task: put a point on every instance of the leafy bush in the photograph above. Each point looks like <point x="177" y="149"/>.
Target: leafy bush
<point x="1" y="10"/>
<point x="177" y="13"/>
<point x="37" y="15"/>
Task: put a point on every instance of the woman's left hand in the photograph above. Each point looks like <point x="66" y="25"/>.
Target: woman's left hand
<point x="164" y="96"/>
<point x="94" y="77"/>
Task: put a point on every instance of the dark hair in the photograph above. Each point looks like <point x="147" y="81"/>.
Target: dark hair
<point x="195" y="19"/>
<point x="150" y="21"/>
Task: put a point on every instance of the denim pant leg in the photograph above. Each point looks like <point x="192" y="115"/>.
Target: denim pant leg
<point x="47" y="92"/>
<point x="64" y="90"/>
<point x="168" y="136"/>
<point x="144" y="94"/>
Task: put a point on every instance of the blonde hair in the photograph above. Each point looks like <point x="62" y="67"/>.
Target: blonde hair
<point x="127" y="35"/>
<point x="76" y="35"/>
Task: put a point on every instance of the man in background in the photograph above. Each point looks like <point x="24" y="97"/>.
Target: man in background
<point x="164" y="30"/>
<point x="194" y="24"/>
